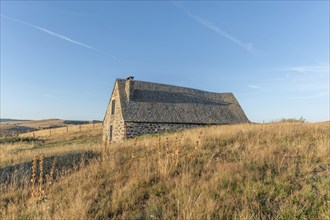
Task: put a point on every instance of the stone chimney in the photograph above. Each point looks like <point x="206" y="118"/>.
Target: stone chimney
<point x="129" y="88"/>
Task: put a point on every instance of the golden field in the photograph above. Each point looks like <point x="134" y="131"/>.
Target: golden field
<point x="250" y="171"/>
<point x="42" y="128"/>
<point x="16" y="126"/>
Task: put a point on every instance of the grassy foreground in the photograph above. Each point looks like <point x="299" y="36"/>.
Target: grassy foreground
<point x="274" y="171"/>
<point x="15" y="150"/>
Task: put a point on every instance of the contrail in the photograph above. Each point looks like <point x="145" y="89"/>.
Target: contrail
<point x="248" y="46"/>
<point x="51" y="33"/>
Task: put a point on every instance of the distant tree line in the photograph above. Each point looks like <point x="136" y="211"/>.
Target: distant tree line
<point x="71" y="122"/>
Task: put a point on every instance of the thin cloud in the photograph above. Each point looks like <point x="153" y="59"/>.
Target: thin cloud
<point x="309" y="69"/>
<point x="48" y="96"/>
<point x="254" y="86"/>
<point x="206" y="23"/>
<point x="52" y="33"/>
<point x="317" y="95"/>
<point x="300" y="82"/>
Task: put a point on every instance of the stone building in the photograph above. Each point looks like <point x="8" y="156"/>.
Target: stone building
<point x="136" y="108"/>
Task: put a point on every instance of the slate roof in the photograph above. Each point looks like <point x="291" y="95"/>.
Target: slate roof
<point x="153" y="102"/>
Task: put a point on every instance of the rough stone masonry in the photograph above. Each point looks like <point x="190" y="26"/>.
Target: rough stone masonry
<point x="137" y="108"/>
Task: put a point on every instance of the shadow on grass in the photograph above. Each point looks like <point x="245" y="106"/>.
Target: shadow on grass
<point x="13" y="140"/>
<point x="19" y="174"/>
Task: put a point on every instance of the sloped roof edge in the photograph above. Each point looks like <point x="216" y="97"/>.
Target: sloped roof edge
<point x="162" y="103"/>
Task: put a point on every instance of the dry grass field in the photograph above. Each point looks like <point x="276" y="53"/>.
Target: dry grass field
<point x="56" y="133"/>
<point x="42" y="128"/>
<point x="17" y="127"/>
<point x="251" y="171"/>
<point x="15" y="150"/>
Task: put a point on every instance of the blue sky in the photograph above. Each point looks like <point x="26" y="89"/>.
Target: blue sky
<point x="60" y="59"/>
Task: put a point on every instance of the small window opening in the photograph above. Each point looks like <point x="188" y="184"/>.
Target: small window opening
<point x="110" y="133"/>
<point x="113" y="107"/>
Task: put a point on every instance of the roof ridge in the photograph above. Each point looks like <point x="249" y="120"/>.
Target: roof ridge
<point x="176" y="86"/>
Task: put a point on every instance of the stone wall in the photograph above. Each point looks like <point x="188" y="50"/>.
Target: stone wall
<point x="123" y="130"/>
<point x="115" y="120"/>
<point x="134" y="129"/>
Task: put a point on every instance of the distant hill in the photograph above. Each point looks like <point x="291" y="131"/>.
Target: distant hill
<point x="10" y="127"/>
<point x="11" y="120"/>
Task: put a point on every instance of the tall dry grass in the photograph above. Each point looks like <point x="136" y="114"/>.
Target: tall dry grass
<point x="58" y="144"/>
<point x="57" y="132"/>
<point x="274" y="171"/>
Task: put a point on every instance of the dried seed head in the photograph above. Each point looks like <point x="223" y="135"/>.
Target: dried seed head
<point x="33" y="174"/>
<point x="34" y="168"/>
<point x="41" y="167"/>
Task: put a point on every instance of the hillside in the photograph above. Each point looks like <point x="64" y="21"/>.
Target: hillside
<point x="11" y="127"/>
<point x="278" y="170"/>
<point x="10" y="120"/>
